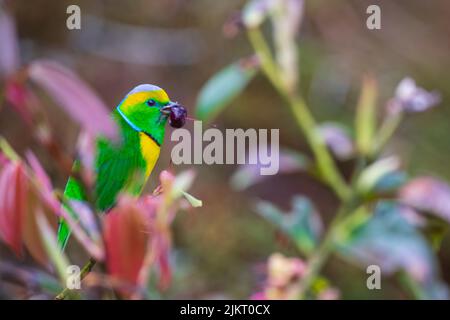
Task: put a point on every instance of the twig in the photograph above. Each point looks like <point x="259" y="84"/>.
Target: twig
<point x="305" y="120"/>
<point x="84" y="272"/>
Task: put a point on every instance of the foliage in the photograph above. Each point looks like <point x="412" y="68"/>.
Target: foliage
<point x="132" y="243"/>
<point x="386" y="216"/>
<point x="382" y="218"/>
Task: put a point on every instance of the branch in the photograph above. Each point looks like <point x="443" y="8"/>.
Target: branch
<point x="84" y="272"/>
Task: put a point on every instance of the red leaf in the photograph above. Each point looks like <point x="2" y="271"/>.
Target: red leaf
<point x="126" y="238"/>
<point x="74" y="96"/>
<point x="13" y="189"/>
<point x="9" y="49"/>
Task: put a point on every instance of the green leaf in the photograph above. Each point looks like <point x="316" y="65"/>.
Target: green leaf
<point x="7" y="150"/>
<point x="366" y="116"/>
<point x="388" y="240"/>
<point x="52" y="248"/>
<point x="302" y="224"/>
<point x="373" y="175"/>
<point x="183" y="181"/>
<point x="222" y="88"/>
<point x="193" y="200"/>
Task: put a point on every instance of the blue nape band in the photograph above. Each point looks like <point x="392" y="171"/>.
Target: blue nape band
<point x="128" y="120"/>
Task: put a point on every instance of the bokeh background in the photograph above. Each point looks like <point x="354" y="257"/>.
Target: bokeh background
<point x="220" y="249"/>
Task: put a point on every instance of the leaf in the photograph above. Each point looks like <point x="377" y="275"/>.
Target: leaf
<point x="126" y="236"/>
<point x="428" y="194"/>
<point x="20" y="202"/>
<point x="337" y="139"/>
<point x="286" y="18"/>
<point x="7" y="150"/>
<point x="74" y="96"/>
<point x="176" y="186"/>
<point x="374" y="174"/>
<point x="88" y="222"/>
<point x="3" y="160"/>
<point x="390" y="182"/>
<point x="13" y="192"/>
<point x="365" y="120"/>
<point x="9" y="50"/>
<point x="38" y="170"/>
<point x="222" y="88"/>
<point x="193" y="200"/>
<point x="248" y="175"/>
<point x="48" y="235"/>
<point x="388" y="240"/>
<point x="302" y="223"/>
<point x="182" y="181"/>
<point x="255" y="12"/>
<point x="31" y="234"/>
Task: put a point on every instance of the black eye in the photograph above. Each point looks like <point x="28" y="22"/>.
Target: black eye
<point x="151" y="103"/>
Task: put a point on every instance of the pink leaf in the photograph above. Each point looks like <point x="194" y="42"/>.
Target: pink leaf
<point x="428" y="194"/>
<point x="13" y="188"/>
<point x="87" y="221"/>
<point x="9" y="48"/>
<point x="38" y="170"/>
<point x="3" y="160"/>
<point x="74" y="96"/>
<point x="31" y="233"/>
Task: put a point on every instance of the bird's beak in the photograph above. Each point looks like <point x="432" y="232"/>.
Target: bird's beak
<point x="166" y="109"/>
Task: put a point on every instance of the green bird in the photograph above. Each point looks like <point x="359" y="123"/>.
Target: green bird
<point x="125" y="165"/>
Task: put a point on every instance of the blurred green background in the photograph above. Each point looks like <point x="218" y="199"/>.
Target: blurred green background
<point x="178" y="44"/>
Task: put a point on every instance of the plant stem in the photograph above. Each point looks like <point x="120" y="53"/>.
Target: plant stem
<point x="318" y="258"/>
<point x="84" y="272"/>
<point x="304" y="119"/>
<point x="390" y="124"/>
<point x="326" y="165"/>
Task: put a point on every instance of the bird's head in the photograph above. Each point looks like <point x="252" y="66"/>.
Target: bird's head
<point x="148" y="107"/>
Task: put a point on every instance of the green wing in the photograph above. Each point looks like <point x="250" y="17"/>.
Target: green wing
<point x="117" y="170"/>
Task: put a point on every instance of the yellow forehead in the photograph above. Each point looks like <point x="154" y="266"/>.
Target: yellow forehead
<point x="140" y="97"/>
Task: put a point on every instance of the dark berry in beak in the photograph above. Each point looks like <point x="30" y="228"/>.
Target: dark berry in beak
<point x="177" y="116"/>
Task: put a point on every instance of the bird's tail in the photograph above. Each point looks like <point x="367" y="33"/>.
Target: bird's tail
<point x="73" y="191"/>
<point x="63" y="233"/>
